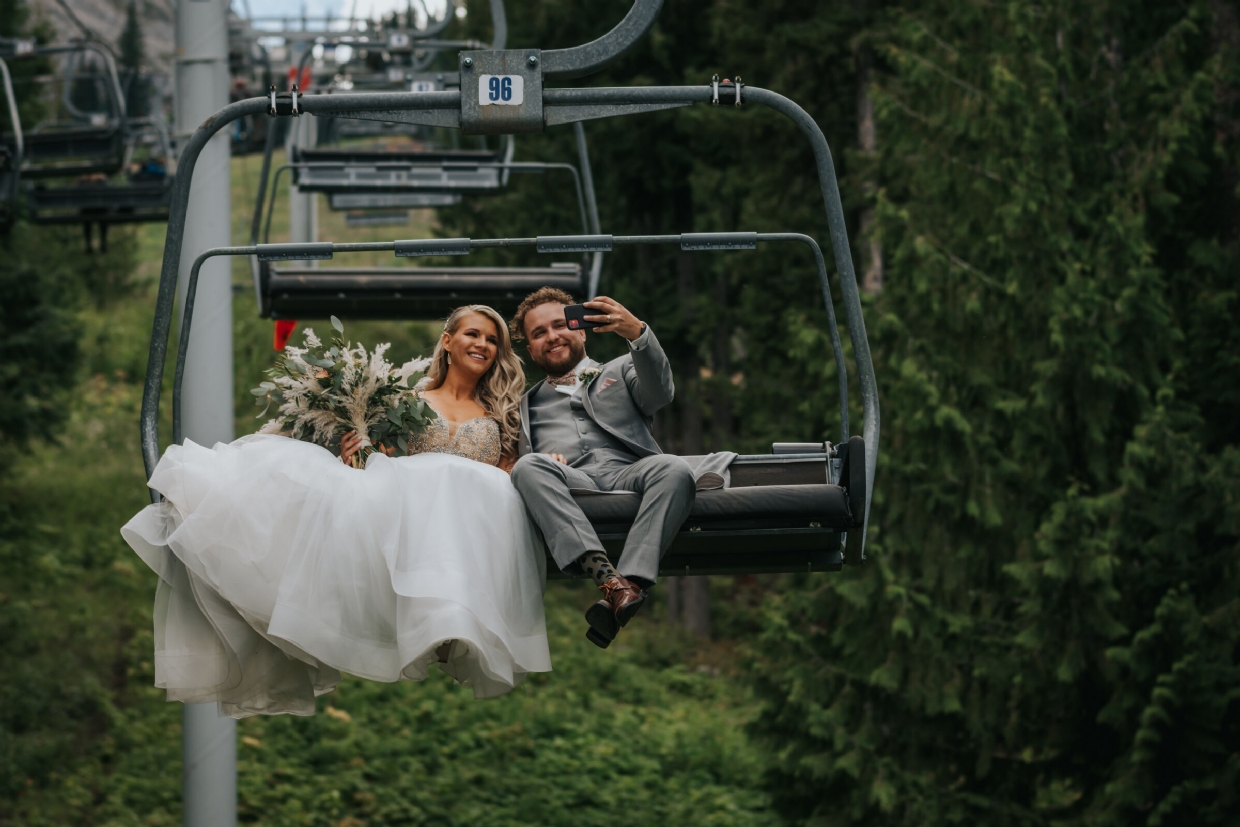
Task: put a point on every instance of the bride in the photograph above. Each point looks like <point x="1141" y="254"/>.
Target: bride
<point x="280" y="568"/>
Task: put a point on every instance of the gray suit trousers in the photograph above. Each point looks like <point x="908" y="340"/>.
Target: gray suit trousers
<point x="664" y="481"/>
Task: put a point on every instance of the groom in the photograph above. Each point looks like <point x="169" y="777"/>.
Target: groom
<point x="587" y="426"/>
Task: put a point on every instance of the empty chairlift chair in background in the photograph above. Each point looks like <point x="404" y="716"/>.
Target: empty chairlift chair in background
<point x="87" y="139"/>
<point x="403" y="165"/>
<point x="424" y="292"/>
<point x="82" y="130"/>
<point x="805" y="507"/>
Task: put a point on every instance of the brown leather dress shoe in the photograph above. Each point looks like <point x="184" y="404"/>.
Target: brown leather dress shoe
<point x="621" y="600"/>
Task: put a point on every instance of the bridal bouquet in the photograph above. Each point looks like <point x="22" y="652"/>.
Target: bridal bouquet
<point x="325" y="391"/>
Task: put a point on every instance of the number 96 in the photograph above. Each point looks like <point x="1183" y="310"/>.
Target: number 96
<point x="499" y="89"/>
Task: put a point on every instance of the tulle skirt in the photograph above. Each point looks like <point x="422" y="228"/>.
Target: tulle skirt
<point x="280" y="568"/>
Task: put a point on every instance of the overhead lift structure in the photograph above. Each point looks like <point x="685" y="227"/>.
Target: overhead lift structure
<point x="434" y="176"/>
<point x="805" y="507"/>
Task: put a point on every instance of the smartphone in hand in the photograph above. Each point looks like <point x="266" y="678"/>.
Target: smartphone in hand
<point x="575" y="316"/>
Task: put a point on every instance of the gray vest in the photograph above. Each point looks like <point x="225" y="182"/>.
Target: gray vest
<point x="559" y="424"/>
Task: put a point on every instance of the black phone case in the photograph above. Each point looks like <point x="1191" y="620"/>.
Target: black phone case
<point x="574" y="315"/>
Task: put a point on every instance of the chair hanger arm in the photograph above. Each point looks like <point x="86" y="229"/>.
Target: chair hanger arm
<point x="582" y="60"/>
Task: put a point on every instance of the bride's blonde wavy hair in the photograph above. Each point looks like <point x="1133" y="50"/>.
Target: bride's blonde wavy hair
<point x="500" y="388"/>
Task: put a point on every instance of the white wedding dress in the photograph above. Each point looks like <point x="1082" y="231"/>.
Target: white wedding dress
<point x="280" y="567"/>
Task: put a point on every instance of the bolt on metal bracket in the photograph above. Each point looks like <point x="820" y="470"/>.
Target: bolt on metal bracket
<point x="284" y="104"/>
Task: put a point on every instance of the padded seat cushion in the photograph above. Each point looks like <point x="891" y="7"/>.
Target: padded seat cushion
<point x="783" y="505"/>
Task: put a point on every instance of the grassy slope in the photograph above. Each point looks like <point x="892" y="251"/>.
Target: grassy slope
<point x="651" y="726"/>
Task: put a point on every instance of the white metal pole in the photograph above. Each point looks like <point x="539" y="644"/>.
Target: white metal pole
<point x="209" y="741"/>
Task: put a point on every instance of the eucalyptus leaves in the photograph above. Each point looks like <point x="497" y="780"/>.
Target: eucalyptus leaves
<point x="325" y="391"/>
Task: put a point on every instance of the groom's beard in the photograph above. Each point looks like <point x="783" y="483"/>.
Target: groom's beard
<point x="564" y="361"/>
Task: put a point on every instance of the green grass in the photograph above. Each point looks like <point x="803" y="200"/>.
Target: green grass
<point x="651" y="728"/>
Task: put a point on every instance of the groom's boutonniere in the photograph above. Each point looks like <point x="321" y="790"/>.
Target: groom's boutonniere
<point x="588" y="375"/>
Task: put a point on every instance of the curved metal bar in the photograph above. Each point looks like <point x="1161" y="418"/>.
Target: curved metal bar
<point x="109" y="62"/>
<point x="178" y="207"/>
<point x="510" y="150"/>
<point x="499" y="25"/>
<point x="269" y="144"/>
<point x="590" y="57"/>
<point x="166" y="297"/>
<point x="583" y="158"/>
<point x="11" y="99"/>
<point x="848" y="279"/>
<point x="187" y="317"/>
<point x="837" y="347"/>
<point x="484" y="243"/>
<point x="436" y="27"/>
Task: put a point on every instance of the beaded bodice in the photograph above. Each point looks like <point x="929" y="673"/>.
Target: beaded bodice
<point x="476" y="439"/>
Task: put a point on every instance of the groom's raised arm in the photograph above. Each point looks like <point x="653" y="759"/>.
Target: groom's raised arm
<point x="650" y="381"/>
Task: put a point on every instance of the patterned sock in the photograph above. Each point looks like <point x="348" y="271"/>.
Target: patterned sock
<point x="597" y="566"/>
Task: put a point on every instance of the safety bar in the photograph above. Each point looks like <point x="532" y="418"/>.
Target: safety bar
<point x="320" y="250"/>
<point x="12" y="50"/>
<point x="509" y="166"/>
<point x="590" y="57"/>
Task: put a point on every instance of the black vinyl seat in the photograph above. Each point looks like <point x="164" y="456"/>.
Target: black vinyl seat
<point x="136" y="201"/>
<point x="778" y="514"/>
<point x="83" y="150"/>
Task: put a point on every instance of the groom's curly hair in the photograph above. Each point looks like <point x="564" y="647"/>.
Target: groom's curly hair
<point x="542" y="295"/>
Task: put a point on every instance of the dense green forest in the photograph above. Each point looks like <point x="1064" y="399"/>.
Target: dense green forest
<point x="1045" y="211"/>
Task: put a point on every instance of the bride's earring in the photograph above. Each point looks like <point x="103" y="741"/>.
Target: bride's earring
<point x="449" y="358"/>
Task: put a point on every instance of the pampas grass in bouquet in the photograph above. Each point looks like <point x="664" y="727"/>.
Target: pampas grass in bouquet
<point x="325" y="391"/>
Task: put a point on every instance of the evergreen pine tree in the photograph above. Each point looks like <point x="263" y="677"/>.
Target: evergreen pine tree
<point x="1046" y="631"/>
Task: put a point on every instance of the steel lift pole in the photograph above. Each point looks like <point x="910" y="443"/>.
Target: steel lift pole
<point x="209" y="741"/>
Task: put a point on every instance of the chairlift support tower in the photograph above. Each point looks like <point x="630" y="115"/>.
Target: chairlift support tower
<point x="208" y="740"/>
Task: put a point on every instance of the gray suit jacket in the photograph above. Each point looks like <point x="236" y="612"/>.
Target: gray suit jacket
<point x="641" y="383"/>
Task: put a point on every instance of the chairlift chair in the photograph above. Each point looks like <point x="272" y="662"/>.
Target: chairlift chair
<point x="443" y="170"/>
<point x="426" y="292"/>
<point x="144" y="197"/>
<point x="74" y="141"/>
<point x="791" y="510"/>
<point x="802" y="508"/>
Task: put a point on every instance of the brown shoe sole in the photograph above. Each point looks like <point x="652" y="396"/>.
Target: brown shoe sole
<point x="606" y="623"/>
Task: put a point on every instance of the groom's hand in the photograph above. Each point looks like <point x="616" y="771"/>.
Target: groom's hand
<point x="615" y="318"/>
<point x="560" y="458"/>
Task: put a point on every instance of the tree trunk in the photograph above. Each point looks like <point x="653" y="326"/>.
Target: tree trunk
<point x="872" y="248"/>
<point x="689" y="596"/>
<point x="722" y="425"/>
